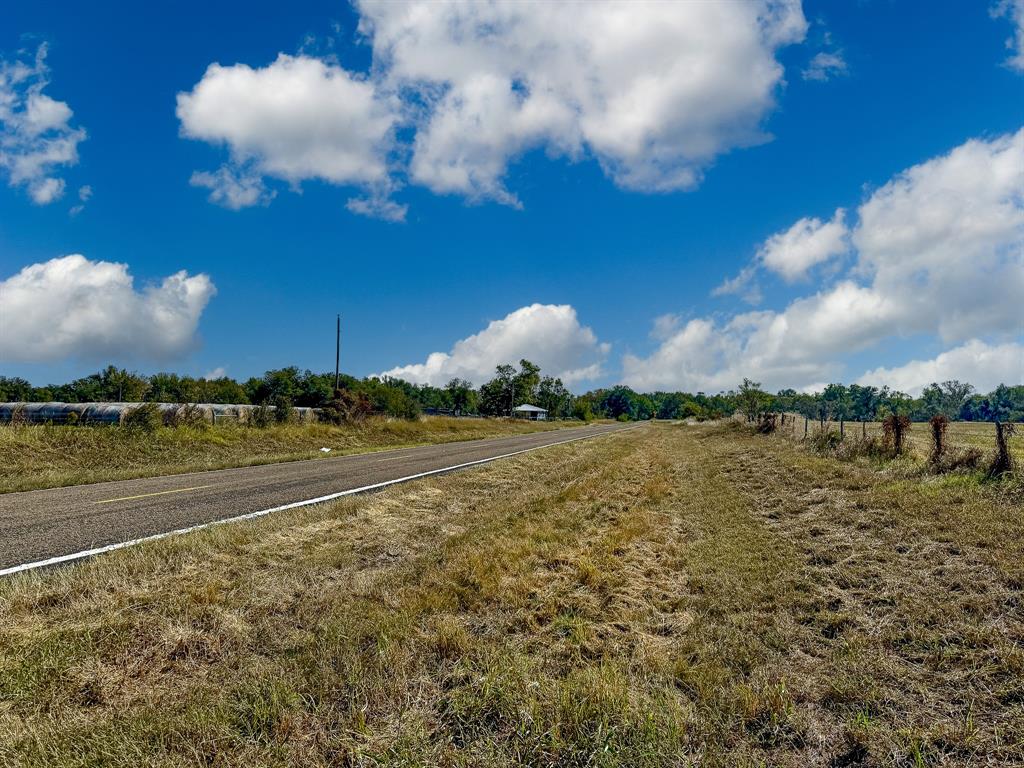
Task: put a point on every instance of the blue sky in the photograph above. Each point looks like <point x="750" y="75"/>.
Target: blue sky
<point x="596" y="225"/>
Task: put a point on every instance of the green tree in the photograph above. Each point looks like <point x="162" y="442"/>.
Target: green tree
<point x="751" y="400"/>
<point x="526" y="382"/>
<point x="497" y="396"/>
<point x="554" y="397"/>
<point x="462" y="395"/>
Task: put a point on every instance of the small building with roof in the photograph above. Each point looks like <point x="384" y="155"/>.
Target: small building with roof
<point x="531" y="412"/>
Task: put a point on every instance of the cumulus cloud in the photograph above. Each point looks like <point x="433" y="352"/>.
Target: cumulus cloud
<point x="807" y="243"/>
<point x="549" y="335"/>
<point x="36" y="135"/>
<point x="233" y="187"/>
<point x="1014" y="11"/>
<point x="939" y="251"/>
<point x="73" y="307"/>
<point x="217" y="373"/>
<point x="986" y="366"/>
<point x="791" y="254"/>
<point x="824" y="66"/>
<point x="377" y="208"/>
<point x="654" y="91"/>
<point x="296" y="119"/>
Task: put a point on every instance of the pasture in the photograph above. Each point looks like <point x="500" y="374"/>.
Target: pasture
<point x="673" y="595"/>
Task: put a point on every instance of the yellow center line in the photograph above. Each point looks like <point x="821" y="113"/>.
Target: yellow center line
<point x="158" y="493"/>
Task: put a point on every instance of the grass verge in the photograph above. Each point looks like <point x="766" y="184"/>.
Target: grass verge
<point x="667" y="596"/>
<point x="34" y="456"/>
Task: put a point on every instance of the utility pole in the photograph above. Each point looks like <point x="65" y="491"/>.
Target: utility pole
<point x="337" y="355"/>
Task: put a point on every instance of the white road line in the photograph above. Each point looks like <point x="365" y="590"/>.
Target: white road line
<point x="307" y="502"/>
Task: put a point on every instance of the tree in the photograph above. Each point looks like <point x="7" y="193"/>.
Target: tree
<point x="497" y="396"/>
<point x="14" y="390"/>
<point x="752" y="400"/>
<point x="462" y="396"/>
<point x="553" y="397"/>
<point x="864" y="402"/>
<point x="526" y="383"/>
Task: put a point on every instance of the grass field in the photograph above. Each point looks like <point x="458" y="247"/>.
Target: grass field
<point x="50" y="456"/>
<point x="667" y="596"/>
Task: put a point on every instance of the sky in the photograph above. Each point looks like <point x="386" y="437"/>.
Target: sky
<point x="666" y="195"/>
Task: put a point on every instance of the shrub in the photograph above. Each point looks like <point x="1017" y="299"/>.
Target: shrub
<point x="283" y="412"/>
<point x="938" y="423"/>
<point x="146" y="417"/>
<point x="825" y="441"/>
<point x="346" y="407"/>
<point x="261" y="416"/>
<point x="1002" y="463"/>
<point x="894" y="431"/>
<point x="960" y="459"/>
<point x="187" y="415"/>
<point x="767" y="423"/>
<point x="622" y="417"/>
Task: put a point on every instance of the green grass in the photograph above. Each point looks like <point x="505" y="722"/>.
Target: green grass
<point x="675" y="595"/>
<point x="37" y="456"/>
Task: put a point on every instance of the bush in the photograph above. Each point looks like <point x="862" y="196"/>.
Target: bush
<point x="581" y="410"/>
<point x="261" y="416"/>
<point x="938" y="423"/>
<point x="825" y="441"/>
<point x="894" y="432"/>
<point x="1002" y="463"/>
<point x="622" y="417"/>
<point x="346" y="407"/>
<point x="146" y="417"/>
<point x="187" y="415"/>
<point x="283" y="412"/>
<point x="960" y="459"/>
<point x="767" y="423"/>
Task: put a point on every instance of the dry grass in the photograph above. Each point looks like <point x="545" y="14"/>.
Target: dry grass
<point x="668" y="596"/>
<point x="963" y="434"/>
<point x="50" y="456"/>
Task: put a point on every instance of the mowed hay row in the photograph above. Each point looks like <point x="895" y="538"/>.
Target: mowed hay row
<point x="43" y="456"/>
<point x="666" y="596"/>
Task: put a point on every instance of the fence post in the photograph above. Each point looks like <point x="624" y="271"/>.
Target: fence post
<point x="842" y="428"/>
<point x="863" y="430"/>
<point x="805" y="426"/>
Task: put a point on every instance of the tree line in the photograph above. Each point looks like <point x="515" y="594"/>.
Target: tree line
<point x="515" y="385"/>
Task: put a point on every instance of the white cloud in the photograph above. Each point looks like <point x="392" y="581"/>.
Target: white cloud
<point x="84" y="195"/>
<point x="806" y="244"/>
<point x="1014" y="11"/>
<point x="824" y="66"/>
<point x="743" y="285"/>
<point x="299" y="118"/>
<point x="983" y="365"/>
<point x="36" y="136"/>
<point x="217" y="373"/>
<point x="549" y="335"/>
<point x="73" y="307"/>
<point x="655" y="91"/>
<point x="940" y="251"/>
<point x="233" y="187"/>
<point x="377" y="208"/>
<point x="791" y="254"/>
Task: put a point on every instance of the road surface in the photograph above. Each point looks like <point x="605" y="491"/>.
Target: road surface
<point x="64" y="523"/>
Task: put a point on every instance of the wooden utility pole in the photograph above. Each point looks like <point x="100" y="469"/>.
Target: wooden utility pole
<point x="337" y="355"/>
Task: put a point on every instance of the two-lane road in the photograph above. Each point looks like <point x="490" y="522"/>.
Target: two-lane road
<point x="61" y="524"/>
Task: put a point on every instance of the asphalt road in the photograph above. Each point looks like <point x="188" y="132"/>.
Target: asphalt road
<point x="41" y="525"/>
